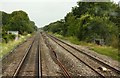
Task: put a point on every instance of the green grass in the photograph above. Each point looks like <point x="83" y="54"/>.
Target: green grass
<point x="104" y="50"/>
<point x="108" y="51"/>
<point x="73" y="40"/>
<point x="6" y="48"/>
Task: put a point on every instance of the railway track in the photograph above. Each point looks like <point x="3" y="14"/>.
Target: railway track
<point x="22" y="61"/>
<point x="66" y="74"/>
<point x="56" y="40"/>
<point x="21" y="71"/>
<point x="10" y="63"/>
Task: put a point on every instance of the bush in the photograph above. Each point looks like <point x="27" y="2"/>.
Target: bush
<point x="8" y="37"/>
<point x="11" y="36"/>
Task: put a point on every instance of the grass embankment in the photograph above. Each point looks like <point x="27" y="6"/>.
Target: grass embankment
<point x="104" y="50"/>
<point x="5" y="48"/>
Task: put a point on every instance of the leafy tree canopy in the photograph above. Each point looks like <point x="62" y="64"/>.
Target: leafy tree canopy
<point x="89" y="21"/>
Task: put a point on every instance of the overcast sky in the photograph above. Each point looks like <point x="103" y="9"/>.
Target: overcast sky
<point x="42" y="12"/>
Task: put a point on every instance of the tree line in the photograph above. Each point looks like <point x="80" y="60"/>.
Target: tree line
<point x="16" y="21"/>
<point x="89" y="21"/>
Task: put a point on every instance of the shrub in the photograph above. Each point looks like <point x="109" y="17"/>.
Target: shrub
<point x="8" y="37"/>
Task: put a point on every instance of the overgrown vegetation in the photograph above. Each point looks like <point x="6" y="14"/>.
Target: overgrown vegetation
<point x="16" y="21"/>
<point x="90" y="21"/>
<point x="6" y="48"/>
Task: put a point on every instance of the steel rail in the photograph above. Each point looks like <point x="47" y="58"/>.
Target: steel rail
<point x="39" y="61"/>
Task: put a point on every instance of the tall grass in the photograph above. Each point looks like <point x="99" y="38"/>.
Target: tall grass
<point x="5" y="48"/>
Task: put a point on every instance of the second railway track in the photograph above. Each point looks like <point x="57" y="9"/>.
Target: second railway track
<point x="112" y="71"/>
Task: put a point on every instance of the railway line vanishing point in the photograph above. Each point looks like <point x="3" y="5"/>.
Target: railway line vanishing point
<point x="44" y="55"/>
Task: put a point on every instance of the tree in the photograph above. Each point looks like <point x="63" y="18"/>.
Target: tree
<point x="88" y="21"/>
<point x="16" y="21"/>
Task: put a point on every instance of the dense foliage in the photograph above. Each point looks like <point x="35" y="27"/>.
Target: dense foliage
<point x="16" y="21"/>
<point x="89" y="21"/>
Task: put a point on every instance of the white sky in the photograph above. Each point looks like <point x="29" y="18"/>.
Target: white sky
<point x="42" y="12"/>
